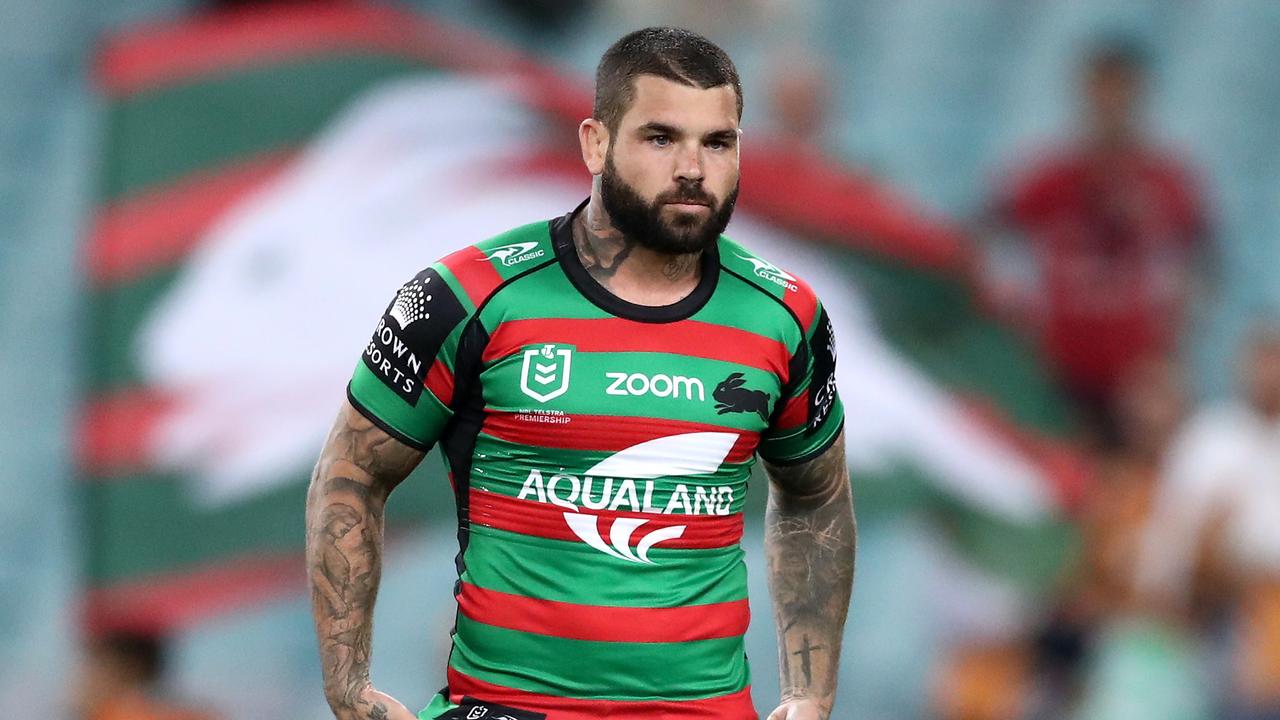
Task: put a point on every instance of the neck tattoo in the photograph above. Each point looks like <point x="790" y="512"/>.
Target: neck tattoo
<point x="679" y="266"/>
<point x="602" y="250"/>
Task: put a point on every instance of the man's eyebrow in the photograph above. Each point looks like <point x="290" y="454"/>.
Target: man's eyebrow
<point x="657" y="127"/>
<point x="654" y="126"/>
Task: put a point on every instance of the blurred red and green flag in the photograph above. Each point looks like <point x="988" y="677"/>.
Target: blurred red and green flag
<point x="268" y="178"/>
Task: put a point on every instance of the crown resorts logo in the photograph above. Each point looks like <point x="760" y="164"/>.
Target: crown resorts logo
<point x="626" y="482"/>
<point x="410" y="304"/>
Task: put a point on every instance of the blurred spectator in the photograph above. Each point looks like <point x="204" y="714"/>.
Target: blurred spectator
<point x="984" y="681"/>
<point x="1149" y="406"/>
<point x="1114" y="224"/>
<point x="800" y="180"/>
<point x="121" y="681"/>
<point x="1220" y="497"/>
<point x="1021" y="677"/>
<point x="1149" y="409"/>
<point x="799" y="95"/>
<point x="718" y="19"/>
<point x="554" y="17"/>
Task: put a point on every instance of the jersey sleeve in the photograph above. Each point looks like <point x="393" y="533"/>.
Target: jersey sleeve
<point x="404" y="382"/>
<point x="809" y="415"/>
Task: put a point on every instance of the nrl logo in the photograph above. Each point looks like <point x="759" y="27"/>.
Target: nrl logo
<point x="545" y="373"/>
<point x="773" y="273"/>
<point x="515" y="254"/>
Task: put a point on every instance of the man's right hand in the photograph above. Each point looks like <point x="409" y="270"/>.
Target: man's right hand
<point x="374" y="705"/>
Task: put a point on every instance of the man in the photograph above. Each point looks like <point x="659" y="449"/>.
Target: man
<point x="1214" y="532"/>
<point x="599" y="385"/>
<point x="121" y="680"/>
<point x="1115" y="227"/>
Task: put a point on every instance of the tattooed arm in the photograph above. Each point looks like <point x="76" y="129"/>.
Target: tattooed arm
<point x="358" y="468"/>
<point x="810" y="543"/>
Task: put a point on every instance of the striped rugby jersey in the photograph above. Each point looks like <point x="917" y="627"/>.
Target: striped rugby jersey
<point x="599" y="452"/>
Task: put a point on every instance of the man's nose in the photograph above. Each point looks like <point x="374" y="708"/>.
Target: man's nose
<point x="689" y="162"/>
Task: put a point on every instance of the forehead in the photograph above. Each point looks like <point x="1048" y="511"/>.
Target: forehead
<point x="659" y="100"/>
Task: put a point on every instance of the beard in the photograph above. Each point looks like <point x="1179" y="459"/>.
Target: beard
<point x="642" y="221"/>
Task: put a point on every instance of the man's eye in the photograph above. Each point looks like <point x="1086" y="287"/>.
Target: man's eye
<point x="660" y="140"/>
<point x="717" y="144"/>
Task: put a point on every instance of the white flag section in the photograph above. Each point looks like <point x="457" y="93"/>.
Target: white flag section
<point x="263" y="328"/>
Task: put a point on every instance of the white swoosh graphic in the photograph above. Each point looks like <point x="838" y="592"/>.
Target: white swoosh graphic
<point x="685" y="454"/>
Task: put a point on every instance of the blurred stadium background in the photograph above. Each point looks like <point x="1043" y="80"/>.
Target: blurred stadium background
<point x="1041" y="310"/>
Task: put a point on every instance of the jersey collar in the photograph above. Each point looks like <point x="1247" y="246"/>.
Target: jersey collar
<point x="562" y="240"/>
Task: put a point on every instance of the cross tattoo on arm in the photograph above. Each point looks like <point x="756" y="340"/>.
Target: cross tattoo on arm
<point x="806" y="653"/>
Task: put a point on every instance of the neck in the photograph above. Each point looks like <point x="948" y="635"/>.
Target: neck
<point x="1114" y="139"/>
<point x="626" y="268"/>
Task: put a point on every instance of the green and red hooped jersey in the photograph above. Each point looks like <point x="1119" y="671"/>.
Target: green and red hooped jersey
<point x="599" y="452"/>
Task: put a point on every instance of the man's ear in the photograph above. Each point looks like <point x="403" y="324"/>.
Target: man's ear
<point x="593" y="137"/>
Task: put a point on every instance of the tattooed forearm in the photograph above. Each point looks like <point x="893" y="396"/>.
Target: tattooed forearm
<point x="358" y="469"/>
<point x="810" y="543"/>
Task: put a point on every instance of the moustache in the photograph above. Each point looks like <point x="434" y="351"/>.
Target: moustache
<point x="689" y="196"/>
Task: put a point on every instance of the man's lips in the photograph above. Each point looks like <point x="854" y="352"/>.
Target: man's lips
<point x="688" y="204"/>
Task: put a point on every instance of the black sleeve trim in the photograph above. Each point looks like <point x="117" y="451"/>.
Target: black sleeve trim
<point x="825" y="446"/>
<point x="360" y="408"/>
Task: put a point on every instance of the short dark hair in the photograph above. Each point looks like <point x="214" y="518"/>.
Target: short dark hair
<point x="142" y="653"/>
<point x="1118" y="52"/>
<point x="667" y="52"/>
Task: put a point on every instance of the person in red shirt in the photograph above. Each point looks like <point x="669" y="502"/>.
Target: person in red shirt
<point x="1115" y="227"/>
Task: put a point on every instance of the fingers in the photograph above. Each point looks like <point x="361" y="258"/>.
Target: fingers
<point x="797" y="710"/>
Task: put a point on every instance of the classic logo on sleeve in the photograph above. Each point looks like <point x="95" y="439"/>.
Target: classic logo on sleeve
<point x="545" y="373"/>
<point x="517" y="253"/>
<point x="411" y="333"/>
<point x="772" y="273"/>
